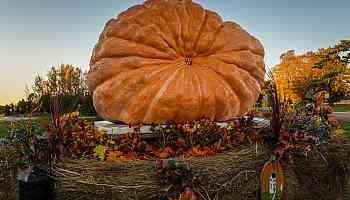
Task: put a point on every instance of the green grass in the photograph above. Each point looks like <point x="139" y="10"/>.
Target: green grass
<point x="3" y="129"/>
<point x="341" y="107"/>
<point x="4" y="125"/>
<point x="346" y="127"/>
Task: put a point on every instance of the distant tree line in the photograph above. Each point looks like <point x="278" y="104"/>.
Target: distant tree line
<point x="66" y="81"/>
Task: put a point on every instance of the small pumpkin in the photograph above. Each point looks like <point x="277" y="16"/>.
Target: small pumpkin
<point x="272" y="181"/>
<point x="172" y="60"/>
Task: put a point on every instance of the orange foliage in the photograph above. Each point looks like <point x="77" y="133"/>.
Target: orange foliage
<point x="131" y="146"/>
<point x="294" y="70"/>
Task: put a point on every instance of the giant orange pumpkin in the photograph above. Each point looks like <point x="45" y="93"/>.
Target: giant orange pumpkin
<point x="172" y="60"/>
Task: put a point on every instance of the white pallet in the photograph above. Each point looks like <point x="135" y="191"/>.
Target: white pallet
<point x="117" y="129"/>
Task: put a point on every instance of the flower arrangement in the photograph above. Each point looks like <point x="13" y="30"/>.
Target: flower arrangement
<point x="71" y="136"/>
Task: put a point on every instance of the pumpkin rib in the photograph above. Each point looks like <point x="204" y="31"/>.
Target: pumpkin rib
<point x="154" y="73"/>
<point x="200" y="32"/>
<point x="239" y="50"/>
<point x="211" y="98"/>
<point x="200" y="91"/>
<point x="133" y="10"/>
<point x="159" y="93"/>
<point x="168" y="72"/>
<point x="232" y="89"/>
<point x="223" y="52"/>
<point x="161" y="34"/>
<point x="253" y="69"/>
<point x="258" y="48"/>
<point x="193" y="26"/>
<point x="223" y="82"/>
<point x="202" y="101"/>
<point x="140" y="23"/>
<point x="123" y="104"/>
<point x="120" y="29"/>
<point x="179" y="40"/>
<point x="132" y="20"/>
<point x="120" y="50"/>
<point x="184" y="33"/>
<point x="242" y="94"/>
<point x="239" y="67"/>
<point x="250" y="78"/>
<point x="169" y="30"/>
<point x="238" y="32"/>
<point x="217" y="32"/>
<point x="94" y="69"/>
<point x="133" y="41"/>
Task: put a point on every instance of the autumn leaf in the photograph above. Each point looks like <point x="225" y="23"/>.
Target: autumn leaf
<point x="113" y="155"/>
<point x="166" y="153"/>
<point x="127" y="157"/>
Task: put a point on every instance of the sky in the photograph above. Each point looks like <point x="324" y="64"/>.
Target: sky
<point x="36" y="34"/>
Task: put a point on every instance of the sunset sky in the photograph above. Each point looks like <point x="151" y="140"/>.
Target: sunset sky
<point x="36" y="34"/>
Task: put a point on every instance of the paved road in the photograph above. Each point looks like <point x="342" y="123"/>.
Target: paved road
<point x="342" y="116"/>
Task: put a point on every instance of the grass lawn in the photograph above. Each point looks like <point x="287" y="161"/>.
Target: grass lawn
<point x="4" y="125"/>
<point x="3" y="129"/>
<point x="346" y="127"/>
<point x="37" y="122"/>
<point x="341" y="107"/>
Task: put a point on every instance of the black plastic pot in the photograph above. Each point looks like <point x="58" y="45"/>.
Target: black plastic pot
<point x="36" y="185"/>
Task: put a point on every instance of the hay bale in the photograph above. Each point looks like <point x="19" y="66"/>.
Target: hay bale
<point x="233" y="172"/>
<point x="230" y="175"/>
<point x="324" y="174"/>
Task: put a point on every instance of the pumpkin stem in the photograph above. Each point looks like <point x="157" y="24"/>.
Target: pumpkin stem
<point x="188" y="61"/>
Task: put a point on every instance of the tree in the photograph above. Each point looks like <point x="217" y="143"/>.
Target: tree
<point x="66" y="81"/>
<point x="7" y="111"/>
<point x="314" y="73"/>
<point x="2" y="110"/>
<point x="39" y="87"/>
<point x="334" y="63"/>
<point x="292" y="72"/>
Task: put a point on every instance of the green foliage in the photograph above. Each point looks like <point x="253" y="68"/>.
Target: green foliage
<point x="86" y="106"/>
<point x="100" y="152"/>
<point x="334" y="62"/>
<point x="65" y="80"/>
<point x="346" y="127"/>
<point x="3" y="129"/>
<point x="2" y="110"/>
<point x="25" y="136"/>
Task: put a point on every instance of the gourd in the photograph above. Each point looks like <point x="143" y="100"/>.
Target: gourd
<point x="172" y="60"/>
